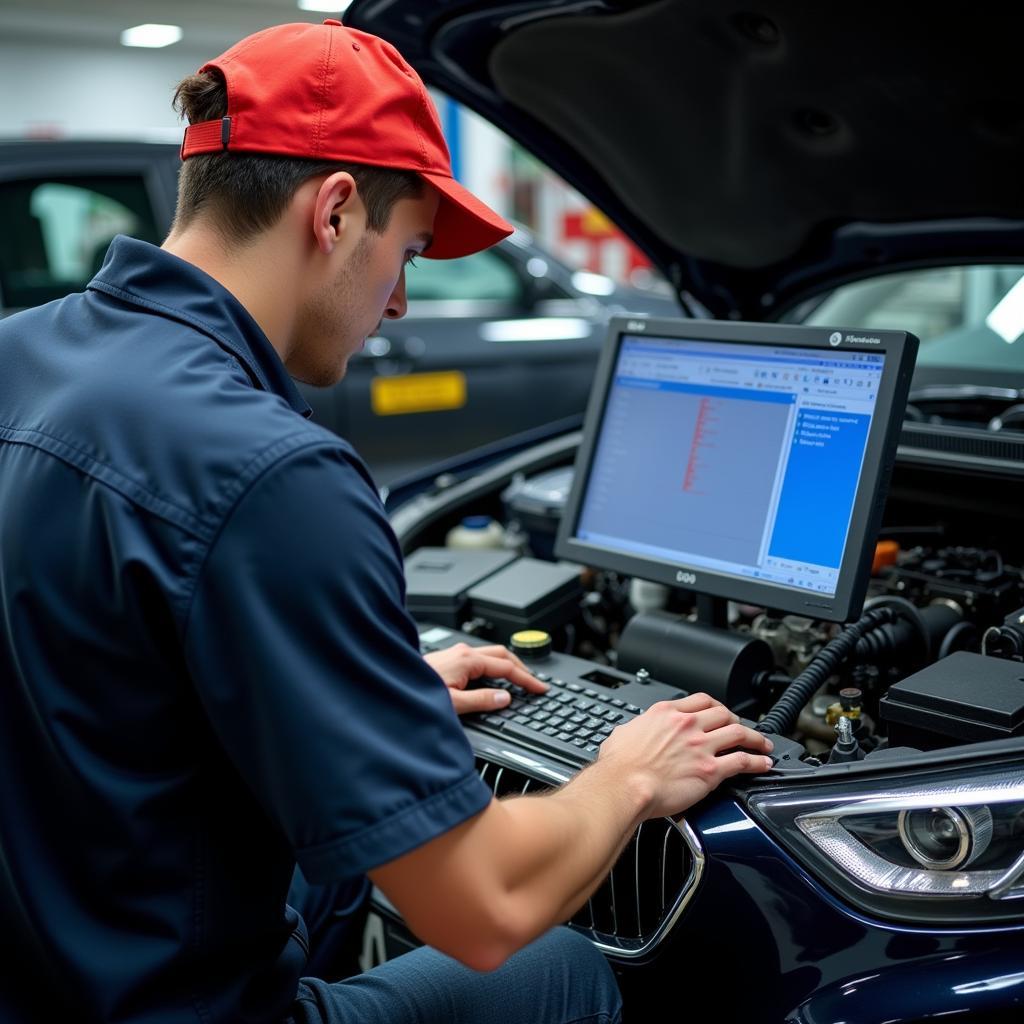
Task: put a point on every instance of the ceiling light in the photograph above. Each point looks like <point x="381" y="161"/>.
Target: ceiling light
<point x="327" y="6"/>
<point x="151" y="35"/>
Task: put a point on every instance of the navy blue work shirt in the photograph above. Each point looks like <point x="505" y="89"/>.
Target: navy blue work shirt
<point x="207" y="670"/>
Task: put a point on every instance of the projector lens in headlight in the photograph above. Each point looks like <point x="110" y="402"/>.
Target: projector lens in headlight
<point x="928" y="846"/>
<point x="945" y="838"/>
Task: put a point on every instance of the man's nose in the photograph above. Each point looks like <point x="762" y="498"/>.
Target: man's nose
<point x="397" y="304"/>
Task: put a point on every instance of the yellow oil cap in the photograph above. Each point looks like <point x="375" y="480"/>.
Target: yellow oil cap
<point x="531" y="643"/>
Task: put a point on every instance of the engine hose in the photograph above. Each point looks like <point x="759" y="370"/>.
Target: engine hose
<point x="949" y="642"/>
<point x="910" y="614"/>
<point x="784" y="714"/>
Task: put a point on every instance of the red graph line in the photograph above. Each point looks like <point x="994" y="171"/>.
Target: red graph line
<point x="700" y="432"/>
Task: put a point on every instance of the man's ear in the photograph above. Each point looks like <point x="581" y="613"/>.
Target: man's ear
<point x="336" y="209"/>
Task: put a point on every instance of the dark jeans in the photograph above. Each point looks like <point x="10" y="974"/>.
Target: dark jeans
<point x="559" y="979"/>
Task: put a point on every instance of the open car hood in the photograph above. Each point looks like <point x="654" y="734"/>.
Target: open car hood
<point x="758" y="156"/>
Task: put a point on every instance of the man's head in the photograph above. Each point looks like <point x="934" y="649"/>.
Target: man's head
<point x="322" y="136"/>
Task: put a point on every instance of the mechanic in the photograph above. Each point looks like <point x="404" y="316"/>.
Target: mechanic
<point x="209" y="674"/>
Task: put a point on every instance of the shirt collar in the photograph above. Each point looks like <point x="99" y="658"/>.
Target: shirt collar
<point x="154" y="279"/>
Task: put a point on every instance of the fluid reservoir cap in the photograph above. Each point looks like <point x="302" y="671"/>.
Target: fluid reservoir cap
<point x="531" y="644"/>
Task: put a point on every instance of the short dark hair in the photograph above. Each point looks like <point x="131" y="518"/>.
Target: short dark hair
<point x="246" y="193"/>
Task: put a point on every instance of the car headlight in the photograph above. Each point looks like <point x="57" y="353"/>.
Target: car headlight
<point x="923" y="847"/>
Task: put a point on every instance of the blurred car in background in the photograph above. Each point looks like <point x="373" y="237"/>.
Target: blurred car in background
<point x="493" y="344"/>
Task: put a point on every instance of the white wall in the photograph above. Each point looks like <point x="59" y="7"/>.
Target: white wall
<point x="69" y="92"/>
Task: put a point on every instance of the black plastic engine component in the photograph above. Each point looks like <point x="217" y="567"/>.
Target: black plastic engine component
<point x="975" y="578"/>
<point x="963" y="698"/>
<point x="438" y="580"/>
<point x="528" y="594"/>
<point x="537" y="505"/>
<point x="693" y="656"/>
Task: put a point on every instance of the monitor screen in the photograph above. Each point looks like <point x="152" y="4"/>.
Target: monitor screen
<point x="740" y="460"/>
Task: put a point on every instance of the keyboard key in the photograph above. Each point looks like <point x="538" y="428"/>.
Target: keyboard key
<point x="579" y="743"/>
<point x="521" y="719"/>
<point x="494" y="720"/>
<point x="604" y="698"/>
<point x="616" y="703"/>
<point x="543" y="677"/>
<point x="575" y="687"/>
<point x="634" y="709"/>
<point x="565" y="736"/>
<point x="592" y="693"/>
<point x="613" y="716"/>
<point x="577" y="719"/>
<point x="583" y="705"/>
<point x="591" y="748"/>
<point x="549" y="731"/>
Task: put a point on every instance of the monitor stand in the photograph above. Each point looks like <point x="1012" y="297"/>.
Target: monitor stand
<point x="712" y="611"/>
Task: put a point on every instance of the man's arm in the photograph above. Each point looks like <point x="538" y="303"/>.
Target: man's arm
<point x="494" y="883"/>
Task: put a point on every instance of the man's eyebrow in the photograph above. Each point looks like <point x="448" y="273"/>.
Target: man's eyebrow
<point x="427" y="238"/>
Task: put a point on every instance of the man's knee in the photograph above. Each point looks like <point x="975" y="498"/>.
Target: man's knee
<point x="585" y="969"/>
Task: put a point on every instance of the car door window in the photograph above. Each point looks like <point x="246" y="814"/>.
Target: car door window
<point x="484" y="276"/>
<point x="56" y="232"/>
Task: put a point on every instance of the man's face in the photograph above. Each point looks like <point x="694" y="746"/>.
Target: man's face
<point x="368" y="288"/>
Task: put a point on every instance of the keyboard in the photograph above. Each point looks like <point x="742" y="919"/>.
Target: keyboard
<point x="570" y="719"/>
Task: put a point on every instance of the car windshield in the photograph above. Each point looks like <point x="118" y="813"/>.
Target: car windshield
<point x="965" y="316"/>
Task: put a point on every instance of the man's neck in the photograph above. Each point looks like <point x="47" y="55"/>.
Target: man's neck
<point x="257" y="274"/>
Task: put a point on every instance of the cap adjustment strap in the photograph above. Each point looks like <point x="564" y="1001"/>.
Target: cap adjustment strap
<point x="206" y="137"/>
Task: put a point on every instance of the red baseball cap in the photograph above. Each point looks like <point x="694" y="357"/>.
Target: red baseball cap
<point x="329" y="92"/>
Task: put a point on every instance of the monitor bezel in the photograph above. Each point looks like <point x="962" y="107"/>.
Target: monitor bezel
<point x="899" y="348"/>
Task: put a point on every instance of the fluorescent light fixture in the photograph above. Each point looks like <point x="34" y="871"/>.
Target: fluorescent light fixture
<point x="536" y="329"/>
<point x="327" y="6"/>
<point x="1007" y="318"/>
<point x="151" y="35"/>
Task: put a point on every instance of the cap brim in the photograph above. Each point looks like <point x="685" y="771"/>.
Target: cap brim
<point x="463" y="224"/>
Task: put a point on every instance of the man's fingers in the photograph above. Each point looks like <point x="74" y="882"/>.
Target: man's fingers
<point x="696" y="702"/>
<point x="467" y="701"/>
<point x="740" y="762"/>
<point x="503" y="668"/>
<point x="505" y="655"/>
<point x="740" y="736"/>
<point x="715" y="718"/>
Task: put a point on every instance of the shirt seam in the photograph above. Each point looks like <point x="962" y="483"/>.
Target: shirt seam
<point x="103" y="472"/>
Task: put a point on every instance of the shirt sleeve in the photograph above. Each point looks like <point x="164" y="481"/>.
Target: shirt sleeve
<point x="309" y="669"/>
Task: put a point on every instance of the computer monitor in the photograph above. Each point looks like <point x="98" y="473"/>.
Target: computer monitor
<point x="740" y="460"/>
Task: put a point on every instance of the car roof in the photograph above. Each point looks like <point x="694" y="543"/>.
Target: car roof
<point x="757" y="157"/>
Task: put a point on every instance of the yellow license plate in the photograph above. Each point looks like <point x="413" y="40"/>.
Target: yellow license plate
<point x="418" y="392"/>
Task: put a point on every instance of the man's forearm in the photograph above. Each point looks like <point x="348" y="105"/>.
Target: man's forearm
<point x="566" y="842"/>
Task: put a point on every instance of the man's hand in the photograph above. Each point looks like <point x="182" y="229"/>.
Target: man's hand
<point x="680" y="750"/>
<point x="459" y="664"/>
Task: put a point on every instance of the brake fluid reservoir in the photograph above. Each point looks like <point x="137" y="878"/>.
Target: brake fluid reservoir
<point x="475" y="532"/>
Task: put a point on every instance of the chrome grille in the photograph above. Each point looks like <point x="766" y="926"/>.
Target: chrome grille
<point x="646" y="891"/>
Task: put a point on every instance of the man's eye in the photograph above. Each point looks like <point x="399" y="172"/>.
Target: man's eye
<point x="410" y="260"/>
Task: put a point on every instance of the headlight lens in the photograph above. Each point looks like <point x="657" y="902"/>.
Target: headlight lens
<point x="945" y="838"/>
<point x="921" y="848"/>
